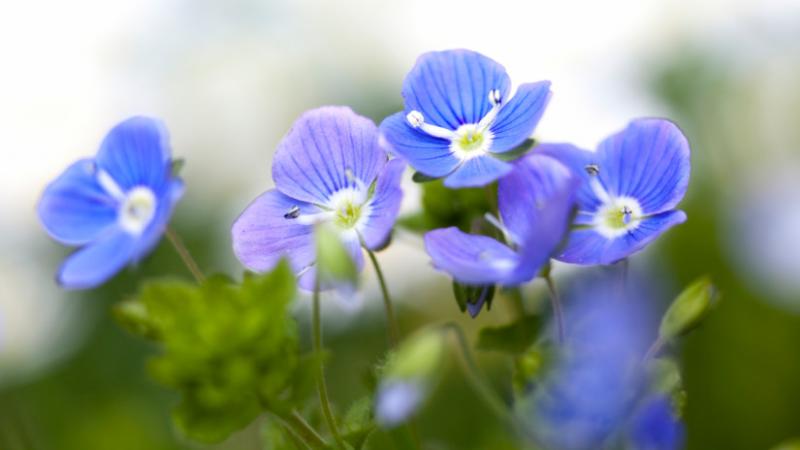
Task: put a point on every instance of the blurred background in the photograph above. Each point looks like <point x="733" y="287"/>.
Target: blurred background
<point x="230" y="77"/>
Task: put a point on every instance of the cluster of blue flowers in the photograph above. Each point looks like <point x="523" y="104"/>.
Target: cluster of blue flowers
<point x="338" y="169"/>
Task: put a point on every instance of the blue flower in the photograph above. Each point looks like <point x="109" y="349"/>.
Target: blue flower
<point x="397" y="400"/>
<point x="458" y="117"/>
<point x="655" y="427"/>
<point x="590" y="393"/>
<point x="535" y="201"/>
<point x="632" y="184"/>
<point x="329" y="168"/>
<point x="114" y="206"/>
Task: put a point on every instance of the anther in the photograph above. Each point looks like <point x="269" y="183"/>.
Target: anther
<point x="415" y="119"/>
<point x="293" y="213"/>
<point x="495" y="97"/>
<point x="592" y="169"/>
<point x="626" y="214"/>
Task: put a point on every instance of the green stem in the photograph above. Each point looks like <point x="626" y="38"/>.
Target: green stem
<point x="555" y="302"/>
<point x="322" y="387"/>
<point x="391" y="322"/>
<point x="186" y="257"/>
<point x="304" y="431"/>
<point x="476" y="379"/>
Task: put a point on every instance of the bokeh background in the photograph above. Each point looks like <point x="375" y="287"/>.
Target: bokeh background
<point x="230" y="77"/>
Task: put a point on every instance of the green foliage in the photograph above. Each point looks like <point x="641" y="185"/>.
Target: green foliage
<point x="665" y="378"/>
<point x="793" y="444"/>
<point x="228" y="349"/>
<point x="514" y="338"/>
<point x="517" y="152"/>
<point x="358" y="424"/>
<point x="418" y="357"/>
<point x="334" y="263"/>
<point x="688" y="309"/>
<point x="469" y="295"/>
<point x="529" y="366"/>
<point x="444" y="207"/>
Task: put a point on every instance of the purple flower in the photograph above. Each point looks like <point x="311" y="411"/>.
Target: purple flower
<point x="329" y="168"/>
<point x="459" y="117"/>
<point x="632" y="184"/>
<point x="114" y="206"/>
<point x="535" y="201"/>
<point x="655" y="427"/>
<point x="397" y="400"/>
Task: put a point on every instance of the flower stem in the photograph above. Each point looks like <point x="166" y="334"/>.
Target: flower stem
<point x="322" y="387"/>
<point x="654" y="350"/>
<point x="555" y="302"/>
<point x="391" y="321"/>
<point x="476" y="379"/>
<point x="186" y="257"/>
<point x="304" y="431"/>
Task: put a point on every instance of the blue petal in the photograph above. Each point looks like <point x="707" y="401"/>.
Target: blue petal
<point x="385" y="205"/>
<point x="654" y="427"/>
<point x="470" y="259"/>
<point x="98" y="261"/>
<point x="397" y="400"/>
<point x="576" y="159"/>
<point x="426" y="154"/>
<point x="451" y="88"/>
<point x="477" y="171"/>
<point x="262" y="235"/>
<point x="524" y="194"/>
<point x="586" y="246"/>
<point x="74" y="209"/>
<point x="649" y="161"/>
<point x="136" y="153"/>
<point x="517" y="119"/>
<point x="324" y="151"/>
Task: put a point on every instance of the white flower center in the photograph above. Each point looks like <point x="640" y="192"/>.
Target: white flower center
<point x="618" y="216"/>
<point x="469" y="140"/>
<point x="137" y="210"/>
<point x="348" y="209"/>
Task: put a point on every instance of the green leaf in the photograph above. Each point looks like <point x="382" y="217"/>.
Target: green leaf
<point x="529" y="366"/>
<point x="420" y="177"/>
<point x="444" y="207"/>
<point x="227" y="348"/>
<point x="514" y="338"/>
<point x="688" y="309"/>
<point x="665" y="378"/>
<point x="177" y="166"/>
<point x="518" y="151"/>
<point x="358" y="424"/>
<point x="334" y="263"/>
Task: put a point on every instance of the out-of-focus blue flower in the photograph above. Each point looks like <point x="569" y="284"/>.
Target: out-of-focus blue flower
<point x="632" y="184"/>
<point x="535" y="201"/>
<point x="397" y="400"/>
<point x="458" y="117"/>
<point x="329" y="168"/>
<point x="655" y="427"/>
<point x="114" y="206"/>
<point x="589" y="394"/>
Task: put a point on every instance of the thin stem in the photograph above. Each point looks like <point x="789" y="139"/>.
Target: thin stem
<point x="304" y="431"/>
<point x="322" y="388"/>
<point x="186" y="257"/>
<point x="476" y="379"/>
<point x="555" y="302"/>
<point x="296" y="441"/>
<point x="391" y="322"/>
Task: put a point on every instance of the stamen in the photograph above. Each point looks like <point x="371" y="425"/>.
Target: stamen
<point x="626" y="214"/>
<point x="417" y="120"/>
<point x="592" y="169"/>
<point x="495" y="99"/>
<point x="293" y="213"/>
<point x="594" y="182"/>
<point x="507" y="234"/>
<point x="109" y="185"/>
<point x="313" y="219"/>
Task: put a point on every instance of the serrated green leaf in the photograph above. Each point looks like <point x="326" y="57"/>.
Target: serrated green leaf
<point x="227" y="348"/>
<point x="689" y="309"/>
<point x="513" y="338"/>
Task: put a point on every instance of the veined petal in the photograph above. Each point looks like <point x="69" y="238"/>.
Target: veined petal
<point x="586" y="246"/>
<point x="265" y="233"/>
<point x="74" y="208"/>
<point x="426" y="154"/>
<point x="136" y="153"/>
<point x="470" y="259"/>
<point x="97" y="262"/>
<point x="517" y="119"/>
<point x="649" y="161"/>
<point x="385" y="205"/>
<point x="451" y="87"/>
<point x="577" y="159"/>
<point x="477" y="171"/>
<point x="327" y="149"/>
<point x="527" y="192"/>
